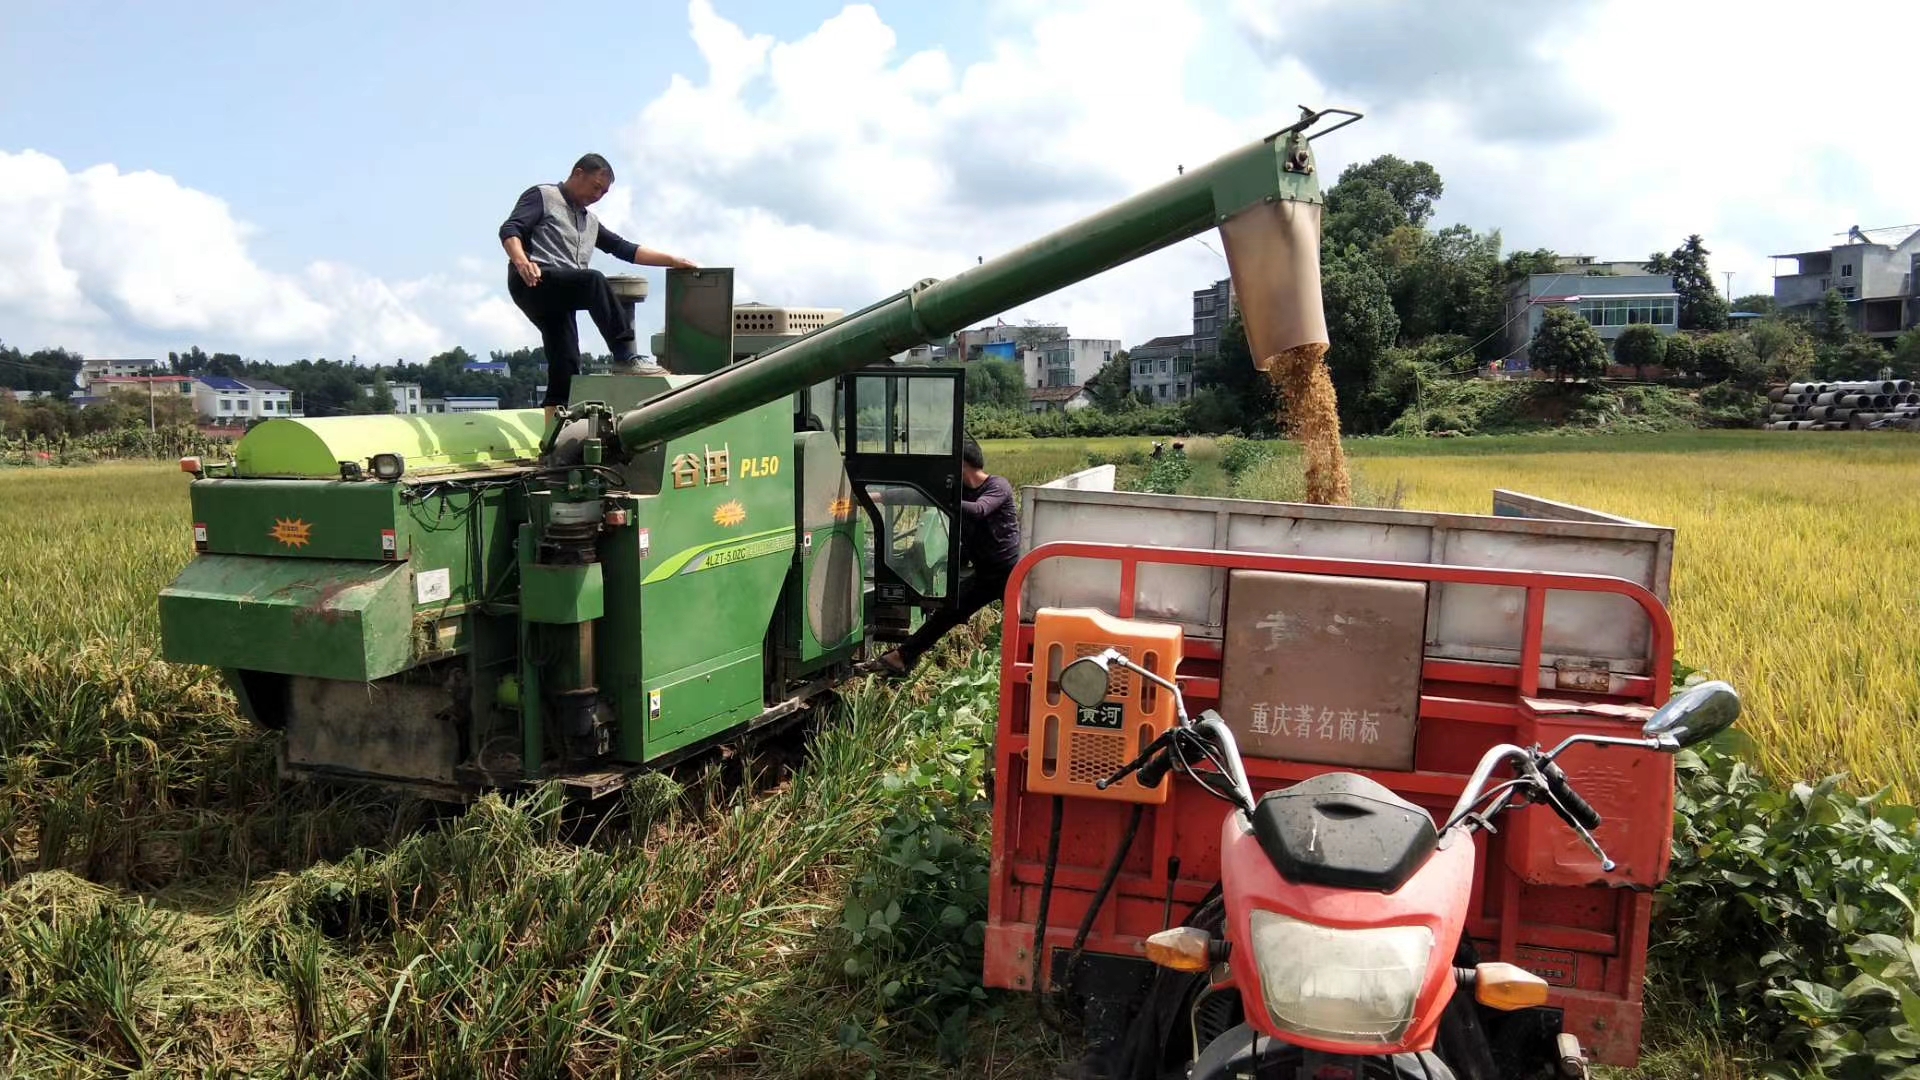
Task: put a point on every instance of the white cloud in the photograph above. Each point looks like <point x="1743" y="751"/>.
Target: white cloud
<point x="834" y="169"/>
<point x="106" y="261"/>
<point x="838" y="167"/>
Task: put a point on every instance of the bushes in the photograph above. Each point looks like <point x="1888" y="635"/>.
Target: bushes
<point x="1789" y="914"/>
<point x="1475" y="407"/>
<point x="987" y="422"/>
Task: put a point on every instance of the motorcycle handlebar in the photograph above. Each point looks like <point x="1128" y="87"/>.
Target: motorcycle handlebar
<point x="1572" y="808"/>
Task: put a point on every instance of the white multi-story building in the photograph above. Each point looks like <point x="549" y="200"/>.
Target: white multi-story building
<point x="240" y="400"/>
<point x="1068" y="361"/>
<point x="406" y="397"/>
<point x="470" y="404"/>
<point x="1880" y="281"/>
<point x="116" y="369"/>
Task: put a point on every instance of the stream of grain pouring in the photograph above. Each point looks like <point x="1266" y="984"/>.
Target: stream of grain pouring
<point x="1273" y="254"/>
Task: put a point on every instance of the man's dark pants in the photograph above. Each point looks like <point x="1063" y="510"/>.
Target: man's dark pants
<point x="988" y="583"/>
<point x="551" y="305"/>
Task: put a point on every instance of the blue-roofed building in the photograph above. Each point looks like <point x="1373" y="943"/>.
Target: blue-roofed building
<point x="488" y="367"/>
<point x="229" y="400"/>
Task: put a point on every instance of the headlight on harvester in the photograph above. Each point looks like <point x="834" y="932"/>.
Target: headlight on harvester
<point x="1349" y="986"/>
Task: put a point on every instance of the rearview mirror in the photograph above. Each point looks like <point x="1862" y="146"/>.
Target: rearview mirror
<point x="1697" y="715"/>
<point x="1085" y="680"/>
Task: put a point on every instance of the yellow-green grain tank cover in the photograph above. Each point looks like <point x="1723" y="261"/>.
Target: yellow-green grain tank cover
<point x="440" y="442"/>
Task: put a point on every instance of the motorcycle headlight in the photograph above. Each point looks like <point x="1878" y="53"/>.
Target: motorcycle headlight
<point x="1350" y="986"/>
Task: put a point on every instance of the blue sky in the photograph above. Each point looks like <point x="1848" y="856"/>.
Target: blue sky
<point x="303" y="116"/>
<point x="325" y="179"/>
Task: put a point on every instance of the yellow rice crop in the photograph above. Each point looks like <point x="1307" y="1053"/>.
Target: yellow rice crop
<point x="1796" y="577"/>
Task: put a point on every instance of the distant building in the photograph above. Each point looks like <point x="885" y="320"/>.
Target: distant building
<point x="1610" y="301"/>
<point x="1068" y="361"/>
<point x="406" y="397"/>
<point x="1058" y="399"/>
<point x="921" y="354"/>
<point x="467" y="404"/>
<point x="103" y="386"/>
<point x="970" y="346"/>
<point x="239" y="400"/>
<point x="1879" y="281"/>
<point x="1162" y="369"/>
<point x="488" y="367"/>
<point x="99" y="368"/>
<point x="1212" y="307"/>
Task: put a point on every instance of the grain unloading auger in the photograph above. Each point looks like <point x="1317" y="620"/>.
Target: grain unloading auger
<point x="429" y="601"/>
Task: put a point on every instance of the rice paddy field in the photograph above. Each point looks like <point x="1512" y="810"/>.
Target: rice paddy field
<point x="169" y="907"/>
<point x="1796" y="560"/>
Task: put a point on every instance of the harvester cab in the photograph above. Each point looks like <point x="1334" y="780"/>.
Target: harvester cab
<point x="458" y="602"/>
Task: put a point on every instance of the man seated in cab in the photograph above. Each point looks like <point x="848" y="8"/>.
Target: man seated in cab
<point x="550" y="236"/>
<point x="989" y="543"/>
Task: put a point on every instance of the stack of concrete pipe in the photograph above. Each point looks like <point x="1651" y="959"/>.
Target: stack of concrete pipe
<point x="1839" y="406"/>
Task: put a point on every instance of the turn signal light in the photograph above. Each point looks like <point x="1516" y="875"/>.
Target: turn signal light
<point x="190" y="465"/>
<point x="1506" y="987"/>
<point x="1183" y="948"/>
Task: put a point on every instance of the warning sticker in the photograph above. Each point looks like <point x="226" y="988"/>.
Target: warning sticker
<point x="432" y="585"/>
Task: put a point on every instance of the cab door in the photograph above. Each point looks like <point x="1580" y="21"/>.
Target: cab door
<point x="901" y="433"/>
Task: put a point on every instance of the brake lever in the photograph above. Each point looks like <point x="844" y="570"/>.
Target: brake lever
<point x="1541" y="786"/>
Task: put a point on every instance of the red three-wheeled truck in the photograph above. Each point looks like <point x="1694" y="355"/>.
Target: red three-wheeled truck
<point x="1333" y="792"/>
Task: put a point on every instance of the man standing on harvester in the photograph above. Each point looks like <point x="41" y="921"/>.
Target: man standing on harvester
<point x="989" y="542"/>
<point x="550" y="237"/>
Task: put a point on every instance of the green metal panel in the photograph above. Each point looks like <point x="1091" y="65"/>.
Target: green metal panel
<point x="699" y="322"/>
<point x="304" y="518"/>
<point x="706" y="700"/>
<point x="459" y="534"/>
<point x="1278" y="167"/>
<point x="561" y="594"/>
<point x="440" y="442"/>
<point x="325" y="618"/>
<point x="694" y="578"/>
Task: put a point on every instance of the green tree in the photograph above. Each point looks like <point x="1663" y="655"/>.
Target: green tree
<point x="1230" y="395"/>
<point x="1413" y="186"/>
<point x="1521" y="264"/>
<point x="1639" y="346"/>
<point x="380" y="398"/>
<point x="1830" y="323"/>
<point x="1683" y="357"/>
<point x="1906" y="355"/>
<point x="1782" y="348"/>
<point x="1755" y="303"/>
<point x="1720" y="356"/>
<point x="1112" y="386"/>
<point x="996" y="382"/>
<point x="1362" y="326"/>
<point x="1447" y="282"/>
<point x="1701" y="307"/>
<point x="1359" y="218"/>
<point x="1568" y="346"/>
<point x="1858" y="358"/>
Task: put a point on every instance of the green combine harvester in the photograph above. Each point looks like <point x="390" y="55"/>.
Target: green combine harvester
<point x="455" y="603"/>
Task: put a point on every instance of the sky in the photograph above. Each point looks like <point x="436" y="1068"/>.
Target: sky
<point x="288" y="181"/>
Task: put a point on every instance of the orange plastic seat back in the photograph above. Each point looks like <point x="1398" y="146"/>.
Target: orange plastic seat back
<point x="1074" y="747"/>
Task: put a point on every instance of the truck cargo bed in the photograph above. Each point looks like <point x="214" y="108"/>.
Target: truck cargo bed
<point x="1586" y="635"/>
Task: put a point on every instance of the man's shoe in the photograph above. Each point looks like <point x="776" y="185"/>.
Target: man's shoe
<point x="635" y="366"/>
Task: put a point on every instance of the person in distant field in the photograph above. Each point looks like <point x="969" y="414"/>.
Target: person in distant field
<point x="550" y="236"/>
<point x="989" y="543"/>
